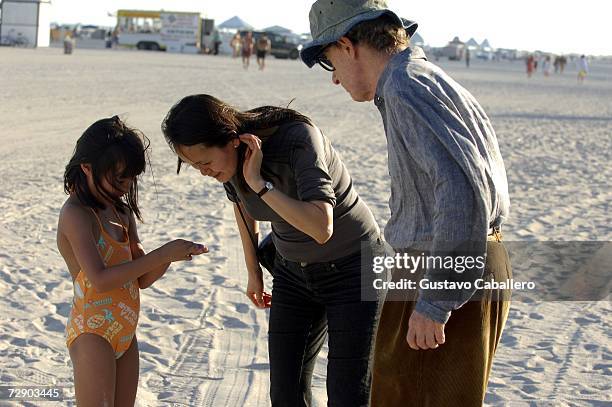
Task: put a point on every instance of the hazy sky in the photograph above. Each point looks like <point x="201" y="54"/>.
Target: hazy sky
<point x="581" y="26"/>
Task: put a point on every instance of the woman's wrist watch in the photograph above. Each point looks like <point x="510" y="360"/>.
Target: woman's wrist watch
<point x="268" y="186"/>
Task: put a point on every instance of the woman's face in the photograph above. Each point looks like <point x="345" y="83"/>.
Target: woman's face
<point x="216" y="162"/>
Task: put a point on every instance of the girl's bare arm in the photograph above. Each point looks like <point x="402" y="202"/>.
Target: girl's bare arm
<point x="74" y="224"/>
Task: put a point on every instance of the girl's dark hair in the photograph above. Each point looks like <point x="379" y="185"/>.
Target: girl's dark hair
<point x="204" y="119"/>
<point x="107" y="145"/>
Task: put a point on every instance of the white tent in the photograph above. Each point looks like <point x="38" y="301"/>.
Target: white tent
<point x="485" y="46"/>
<point x="278" y="29"/>
<point x="235" y="23"/>
<point x="472" y="44"/>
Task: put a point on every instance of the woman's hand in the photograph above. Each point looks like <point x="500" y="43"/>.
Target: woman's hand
<point x="252" y="162"/>
<point x="256" y="294"/>
<point x="180" y="249"/>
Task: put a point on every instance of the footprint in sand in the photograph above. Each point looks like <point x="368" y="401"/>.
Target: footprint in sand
<point x="605" y="367"/>
<point x="193" y="305"/>
<point x="234" y="323"/>
<point x="148" y="348"/>
<point x="53" y="324"/>
<point x="241" y="308"/>
<point x="587" y="319"/>
<point x="509" y="340"/>
<point x="184" y="291"/>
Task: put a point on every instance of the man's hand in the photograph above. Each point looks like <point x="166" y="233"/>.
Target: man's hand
<point x="424" y="333"/>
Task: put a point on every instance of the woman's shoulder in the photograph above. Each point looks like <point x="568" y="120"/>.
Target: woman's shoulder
<point x="298" y="132"/>
<point x="293" y="138"/>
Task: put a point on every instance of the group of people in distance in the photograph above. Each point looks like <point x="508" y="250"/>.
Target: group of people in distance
<point x="244" y="46"/>
<point x="558" y="64"/>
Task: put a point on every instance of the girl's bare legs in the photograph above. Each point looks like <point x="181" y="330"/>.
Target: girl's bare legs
<point x="126" y="384"/>
<point x="93" y="360"/>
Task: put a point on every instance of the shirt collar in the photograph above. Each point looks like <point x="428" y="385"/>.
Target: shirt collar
<point x="397" y="59"/>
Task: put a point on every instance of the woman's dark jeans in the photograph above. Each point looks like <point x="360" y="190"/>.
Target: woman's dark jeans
<point x="310" y="302"/>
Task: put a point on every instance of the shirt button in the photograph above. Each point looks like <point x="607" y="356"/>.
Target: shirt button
<point x="303" y="264"/>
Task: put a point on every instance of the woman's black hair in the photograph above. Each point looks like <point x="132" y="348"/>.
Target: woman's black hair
<point x="204" y="119"/>
<point x="108" y="146"/>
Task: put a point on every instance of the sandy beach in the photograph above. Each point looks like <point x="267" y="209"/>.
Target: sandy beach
<point x="201" y="342"/>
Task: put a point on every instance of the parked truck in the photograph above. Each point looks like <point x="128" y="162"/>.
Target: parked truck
<point x="171" y="31"/>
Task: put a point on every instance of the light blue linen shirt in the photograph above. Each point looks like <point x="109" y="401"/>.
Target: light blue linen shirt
<point x="448" y="180"/>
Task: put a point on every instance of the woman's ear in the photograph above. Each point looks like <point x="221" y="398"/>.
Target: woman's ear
<point x="86" y="168"/>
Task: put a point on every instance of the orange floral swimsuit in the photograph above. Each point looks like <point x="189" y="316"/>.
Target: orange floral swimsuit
<point x="113" y="314"/>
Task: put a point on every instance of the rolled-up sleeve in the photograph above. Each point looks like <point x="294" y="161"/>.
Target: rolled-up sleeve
<point x="231" y="193"/>
<point x="308" y="161"/>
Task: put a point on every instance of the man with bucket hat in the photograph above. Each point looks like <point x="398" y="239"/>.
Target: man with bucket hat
<point x="449" y="197"/>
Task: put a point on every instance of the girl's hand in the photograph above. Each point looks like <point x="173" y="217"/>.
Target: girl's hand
<point x="256" y="294"/>
<point x="252" y="162"/>
<point x="180" y="249"/>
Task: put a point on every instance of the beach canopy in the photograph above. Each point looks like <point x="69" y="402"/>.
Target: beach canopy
<point x="236" y="23"/>
<point x="472" y="43"/>
<point x="485" y="45"/>
<point x="278" y="29"/>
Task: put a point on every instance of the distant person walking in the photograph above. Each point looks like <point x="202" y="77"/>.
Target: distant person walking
<point x="216" y="42"/>
<point x="115" y="37"/>
<point x="247" y="49"/>
<point x="263" y="47"/>
<point x="547" y="66"/>
<point x="530" y="65"/>
<point x="583" y="69"/>
<point x="467" y="57"/>
<point x="69" y="43"/>
<point x="562" y="63"/>
<point x="235" y="44"/>
<point x="109" y="39"/>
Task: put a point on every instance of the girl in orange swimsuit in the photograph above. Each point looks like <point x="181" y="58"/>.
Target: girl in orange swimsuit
<point x="97" y="238"/>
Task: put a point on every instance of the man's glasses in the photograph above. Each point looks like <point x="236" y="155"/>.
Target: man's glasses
<point x="323" y="61"/>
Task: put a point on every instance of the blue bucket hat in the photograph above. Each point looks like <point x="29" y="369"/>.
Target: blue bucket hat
<point x="332" y="19"/>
